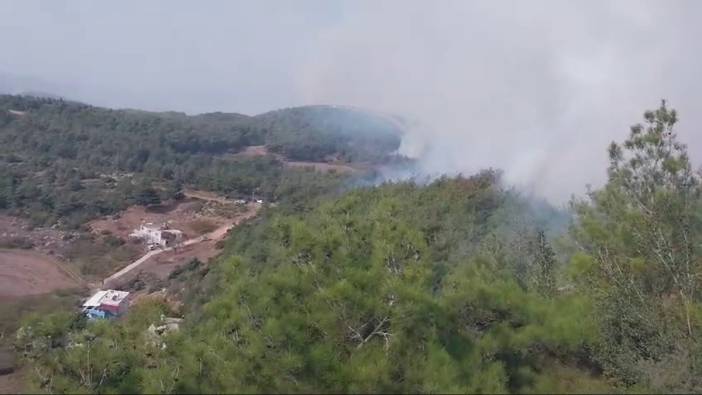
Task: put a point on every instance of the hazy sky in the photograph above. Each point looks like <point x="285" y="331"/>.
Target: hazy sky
<point x="537" y="88"/>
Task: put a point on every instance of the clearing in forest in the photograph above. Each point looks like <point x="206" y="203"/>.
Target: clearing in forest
<point x="193" y="217"/>
<point x="322" y="167"/>
<point x="200" y="241"/>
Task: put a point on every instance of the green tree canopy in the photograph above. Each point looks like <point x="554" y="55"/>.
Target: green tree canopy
<point x="641" y="236"/>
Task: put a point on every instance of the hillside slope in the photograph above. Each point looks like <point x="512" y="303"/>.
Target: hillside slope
<point x="318" y="133"/>
<point x="453" y="286"/>
<point x="67" y="161"/>
<point x="399" y="288"/>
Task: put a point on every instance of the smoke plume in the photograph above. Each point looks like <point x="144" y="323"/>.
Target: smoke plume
<point x="535" y="88"/>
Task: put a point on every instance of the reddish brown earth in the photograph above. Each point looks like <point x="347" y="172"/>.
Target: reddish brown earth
<point x="162" y="262"/>
<point x="13" y="383"/>
<point x="47" y="240"/>
<point x="253" y="151"/>
<point x="24" y="272"/>
<point x="188" y="216"/>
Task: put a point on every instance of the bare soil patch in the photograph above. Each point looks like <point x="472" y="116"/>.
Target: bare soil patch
<point x="8" y="362"/>
<point x="162" y="263"/>
<point x="202" y="226"/>
<point x="18" y="233"/>
<point x="206" y="196"/>
<point x="323" y="167"/>
<point x="13" y="383"/>
<point x="253" y="151"/>
<point x="96" y="256"/>
<point x="189" y="216"/>
<point x="24" y="273"/>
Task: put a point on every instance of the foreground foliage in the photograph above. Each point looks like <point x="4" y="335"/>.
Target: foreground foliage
<point x="642" y="258"/>
<point x="455" y="286"/>
<point x="400" y="288"/>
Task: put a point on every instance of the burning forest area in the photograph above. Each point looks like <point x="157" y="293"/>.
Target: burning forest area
<point x="349" y="196"/>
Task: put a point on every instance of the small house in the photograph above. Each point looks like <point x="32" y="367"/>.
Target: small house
<point x="106" y="304"/>
<point x="157" y="236"/>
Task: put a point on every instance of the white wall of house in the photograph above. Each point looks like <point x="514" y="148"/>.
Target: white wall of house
<point x="153" y="236"/>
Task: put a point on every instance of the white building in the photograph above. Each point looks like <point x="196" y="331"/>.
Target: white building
<point x="157" y="236"/>
<point x="106" y="304"/>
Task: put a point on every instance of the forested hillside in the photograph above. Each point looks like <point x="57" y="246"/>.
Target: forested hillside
<point x="460" y="286"/>
<point x="317" y="133"/>
<point x="67" y="162"/>
<point x="400" y="288"/>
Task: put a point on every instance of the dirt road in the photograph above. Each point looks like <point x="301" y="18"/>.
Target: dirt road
<point x="215" y="235"/>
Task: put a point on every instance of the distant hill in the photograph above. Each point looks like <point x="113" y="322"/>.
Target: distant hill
<point x="310" y="133"/>
<point x="29" y="86"/>
<point x="49" y="146"/>
<point x="223" y="117"/>
<point x="40" y="94"/>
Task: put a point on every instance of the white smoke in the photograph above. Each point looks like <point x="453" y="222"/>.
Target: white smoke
<point x="537" y="89"/>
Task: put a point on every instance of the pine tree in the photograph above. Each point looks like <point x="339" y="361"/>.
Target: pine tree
<point x="544" y="266"/>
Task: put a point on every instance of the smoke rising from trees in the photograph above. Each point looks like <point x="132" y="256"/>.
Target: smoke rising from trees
<point x="537" y="89"/>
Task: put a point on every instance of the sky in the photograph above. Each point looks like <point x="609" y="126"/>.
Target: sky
<point x="536" y="88"/>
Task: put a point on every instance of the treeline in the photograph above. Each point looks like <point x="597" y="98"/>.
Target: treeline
<point x="457" y="286"/>
<point x="65" y="162"/>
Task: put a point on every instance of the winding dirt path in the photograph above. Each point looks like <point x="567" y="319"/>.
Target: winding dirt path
<point x="215" y="235"/>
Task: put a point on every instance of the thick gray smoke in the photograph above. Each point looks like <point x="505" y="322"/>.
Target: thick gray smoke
<point x="536" y="88"/>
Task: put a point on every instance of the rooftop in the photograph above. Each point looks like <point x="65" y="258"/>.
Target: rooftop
<point x="108" y="297"/>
